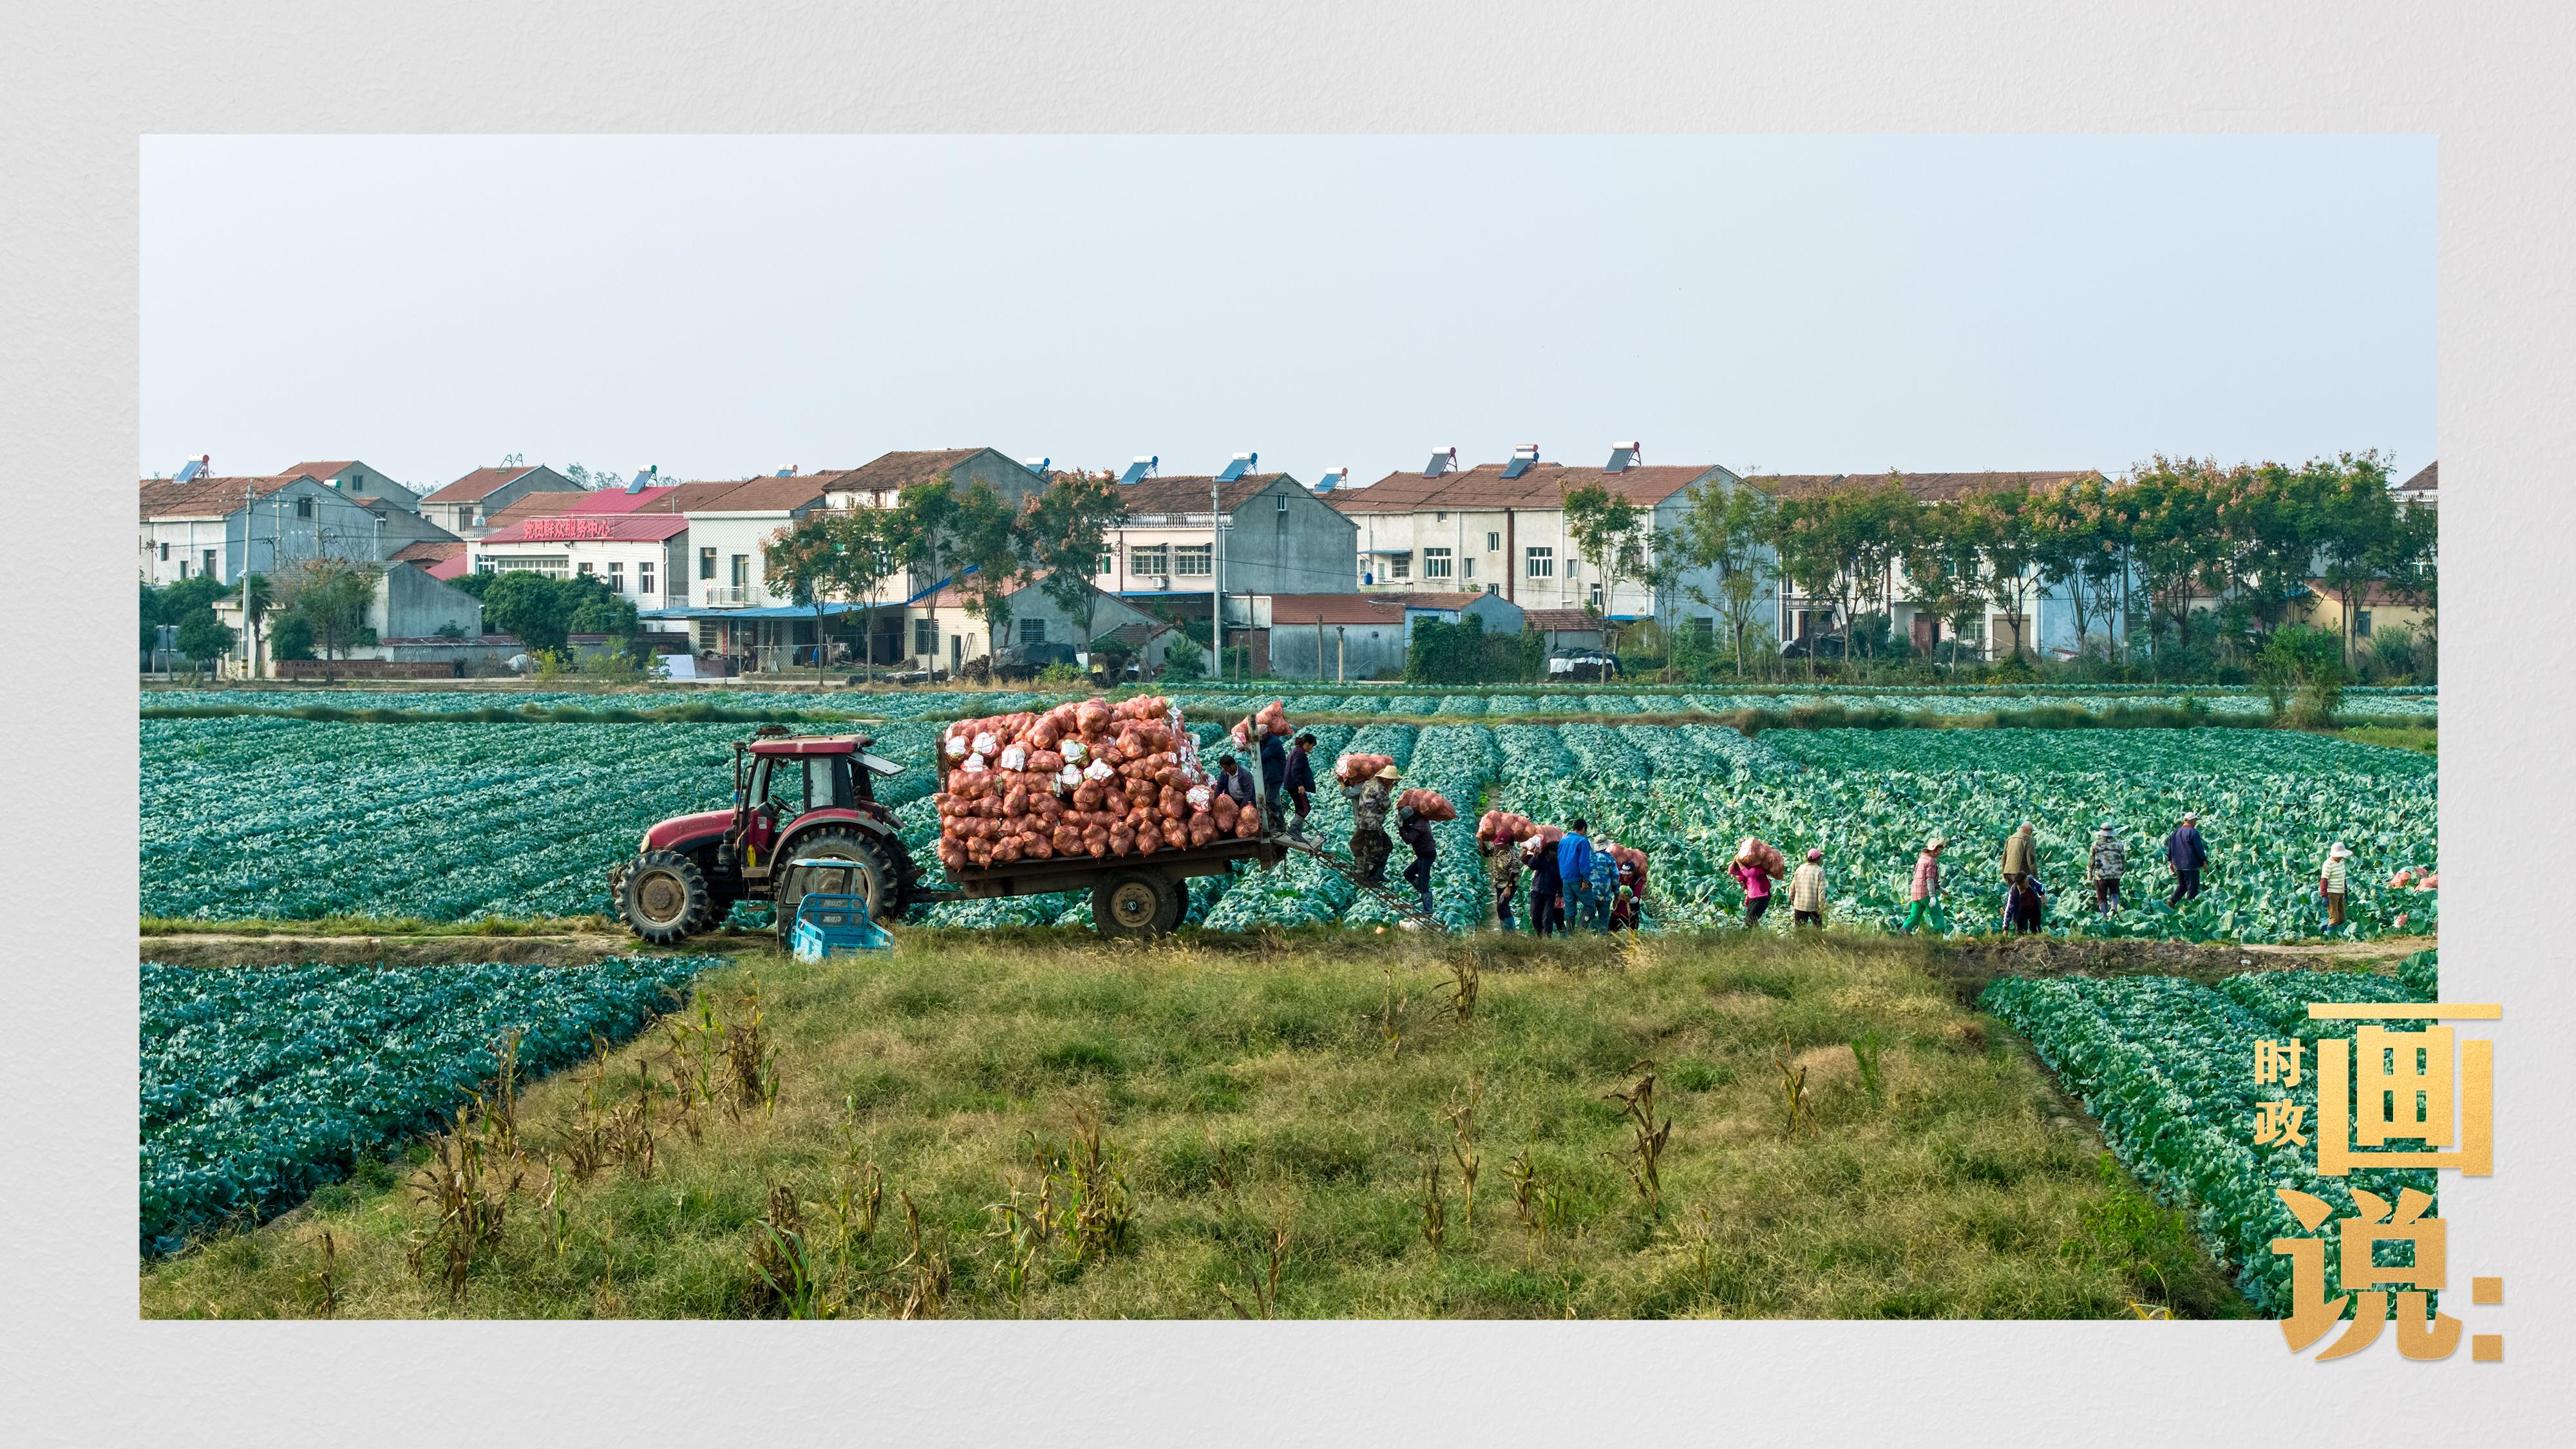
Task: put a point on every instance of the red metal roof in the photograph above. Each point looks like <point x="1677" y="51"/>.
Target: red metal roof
<point x="591" y="528"/>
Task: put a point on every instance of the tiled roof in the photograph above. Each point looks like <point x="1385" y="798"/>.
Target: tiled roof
<point x="764" y="495"/>
<point x="429" y="551"/>
<point x="535" y="505"/>
<point x="1189" y="494"/>
<point x="1923" y="487"/>
<point x="1292" y="609"/>
<point x="903" y="470"/>
<point x="1429" y="599"/>
<point x="2427" y="480"/>
<point x="205" y="497"/>
<point x="615" y="528"/>
<point x="477" y="484"/>
<point x="1541" y="485"/>
<point x="318" y="471"/>
<point x="1561" y="621"/>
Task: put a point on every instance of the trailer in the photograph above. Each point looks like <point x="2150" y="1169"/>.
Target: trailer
<point x="1133" y="897"/>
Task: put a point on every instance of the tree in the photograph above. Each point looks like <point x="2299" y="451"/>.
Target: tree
<point x="2073" y="549"/>
<point x="2170" y="513"/>
<point x="1185" y="660"/>
<point x="919" y="534"/>
<point x="2007" y="546"/>
<point x="1804" y="539"/>
<point x="2361" y="534"/>
<point x="331" y="596"/>
<point x="527" y="606"/>
<point x="1874" y="529"/>
<point x="824" y="556"/>
<point x="2308" y="663"/>
<point x="1722" y="534"/>
<point x="1609" y="534"/>
<point x="203" y="639"/>
<point x="1943" y="573"/>
<point x="1067" y="527"/>
<point x="991" y="548"/>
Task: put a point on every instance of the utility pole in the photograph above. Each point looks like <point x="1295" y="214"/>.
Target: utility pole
<point x="250" y="643"/>
<point x="1216" y="571"/>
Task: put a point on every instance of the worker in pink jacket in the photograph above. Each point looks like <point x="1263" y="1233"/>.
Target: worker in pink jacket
<point x="1926" y="903"/>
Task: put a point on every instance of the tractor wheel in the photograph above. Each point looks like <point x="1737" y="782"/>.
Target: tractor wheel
<point x="663" y="896"/>
<point x="880" y="883"/>
<point x="1136" y="905"/>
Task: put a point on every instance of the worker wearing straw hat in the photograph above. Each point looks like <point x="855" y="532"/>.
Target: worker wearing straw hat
<point x="2332" y="879"/>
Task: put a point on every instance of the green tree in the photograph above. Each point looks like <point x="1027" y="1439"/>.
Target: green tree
<point x="290" y="638"/>
<point x="203" y="639"/>
<point x="1943" y="572"/>
<point x="1067" y="528"/>
<point x="2304" y="670"/>
<point x="991" y="548"/>
<point x="2074" y="551"/>
<point x="1609" y="533"/>
<point x="1722" y="534"/>
<point x="919" y="535"/>
<point x="331" y="596"/>
<point x="1185" y="660"/>
<point x="528" y="607"/>
<point x="2176" y="550"/>
<point x="2007" y="548"/>
<point x="2362" y="536"/>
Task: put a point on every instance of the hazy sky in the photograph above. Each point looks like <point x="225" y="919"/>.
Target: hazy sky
<point x="722" y="307"/>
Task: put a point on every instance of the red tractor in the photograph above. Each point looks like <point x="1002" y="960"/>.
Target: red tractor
<point x="794" y="798"/>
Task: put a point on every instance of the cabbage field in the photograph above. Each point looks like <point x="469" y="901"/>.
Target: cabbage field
<point x="263" y="1083"/>
<point x="2166" y="1066"/>
<point x="252" y="816"/>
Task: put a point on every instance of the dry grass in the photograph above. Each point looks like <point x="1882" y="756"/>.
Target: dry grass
<point x="1055" y="1128"/>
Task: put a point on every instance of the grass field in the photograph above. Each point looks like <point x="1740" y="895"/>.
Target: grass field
<point x="1001" y="1124"/>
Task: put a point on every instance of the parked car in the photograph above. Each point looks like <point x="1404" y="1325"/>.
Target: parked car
<point x="1582" y="665"/>
<point x="1824" y="646"/>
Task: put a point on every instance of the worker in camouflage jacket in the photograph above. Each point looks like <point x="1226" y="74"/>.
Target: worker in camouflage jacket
<point x="1369" y="844"/>
<point x="2110" y="862"/>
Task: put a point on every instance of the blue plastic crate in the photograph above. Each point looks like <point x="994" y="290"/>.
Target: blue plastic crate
<point x="834" y="924"/>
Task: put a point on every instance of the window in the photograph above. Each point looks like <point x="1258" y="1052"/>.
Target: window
<point x="1033" y="631"/>
<point x="1435" y="563"/>
<point x="1493" y="543"/>
<point x="165" y="553"/>
<point x="1705" y="627"/>
<point x="1466" y="568"/>
<point x="2361" y="623"/>
<point x="304" y="508"/>
<point x="925" y="637"/>
<point x="1195" y="560"/>
<point x="1440" y="516"/>
<point x="1108" y="559"/>
<point x="742" y="571"/>
<point x="1399" y="566"/>
<point x="707" y="634"/>
<point x="1542" y="562"/>
<point x="1596" y="598"/>
<point x="588" y="568"/>
<point x="208" y="569"/>
<point x="617" y="578"/>
<point x="707" y="564"/>
<point x="553" y="566"/>
<point x="644" y="578"/>
<point x="1150" y="562"/>
<point x="183" y="568"/>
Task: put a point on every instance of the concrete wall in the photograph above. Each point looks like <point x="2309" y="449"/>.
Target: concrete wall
<point x="410" y="604"/>
<point x="1285" y="540"/>
<point x="1356" y="651"/>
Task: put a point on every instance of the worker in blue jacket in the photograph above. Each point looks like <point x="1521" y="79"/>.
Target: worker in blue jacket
<point x="1574" y="869"/>
<point x="1274" y="779"/>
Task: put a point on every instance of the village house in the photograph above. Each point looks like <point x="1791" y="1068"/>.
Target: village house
<point x="1279" y="539"/>
<point x="942" y="635"/>
<point x="221" y="526"/>
<point x="1500" y="528"/>
<point x="1338" y="637"/>
<point x="465" y="507"/>
<point x="356" y="480"/>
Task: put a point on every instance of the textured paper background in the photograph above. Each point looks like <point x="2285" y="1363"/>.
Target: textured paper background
<point x="79" y="84"/>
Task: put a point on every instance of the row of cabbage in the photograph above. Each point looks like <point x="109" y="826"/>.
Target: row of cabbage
<point x="2166" y="1067"/>
<point x="2270" y="802"/>
<point x="930" y="704"/>
<point x="260" y="1084"/>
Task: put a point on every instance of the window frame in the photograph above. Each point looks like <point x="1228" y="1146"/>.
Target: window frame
<point x="1200" y="555"/>
<point x="1149" y="560"/>
<point x="1439" y="563"/>
<point x="1538" y="562"/>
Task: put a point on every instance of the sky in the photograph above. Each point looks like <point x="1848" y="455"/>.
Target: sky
<point x="721" y="307"/>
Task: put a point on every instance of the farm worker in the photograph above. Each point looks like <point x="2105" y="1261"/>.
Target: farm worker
<point x="1274" y="780"/>
<point x="1574" y="870"/>
<point x="2020" y="855"/>
<point x="1415" y="827"/>
<point x="1624" y="905"/>
<point x="2185" y="853"/>
<point x="1547" y="890"/>
<point x="1299" y="781"/>
<point x="1926" y="904"/>
<point x="1234" y="780"/>
<point x="1369" y="845"/>
<point x="2110" y="861"/>
<point x="1503" y="870"/>
<point x="1807" y="891"/>
<point x="1604" y="889"/>
<point x="1756" y="881"/>
<point x="2332" y="878"/>
<point x="2024" y="904"/>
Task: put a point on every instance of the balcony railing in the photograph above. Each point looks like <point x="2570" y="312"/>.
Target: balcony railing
<point x="727" y="596"/>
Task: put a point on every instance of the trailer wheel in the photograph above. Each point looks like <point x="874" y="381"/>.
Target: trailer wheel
<point x="663" y="897"/>
<point x="1135" y="905"/>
